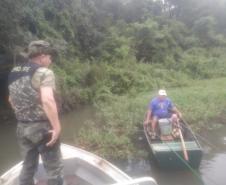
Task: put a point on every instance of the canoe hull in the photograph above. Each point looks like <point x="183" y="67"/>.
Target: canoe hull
<point x="169" y="154"/>
<point x="175" y="158"/>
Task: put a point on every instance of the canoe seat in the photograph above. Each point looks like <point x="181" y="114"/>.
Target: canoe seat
<point x="175" y="146"/>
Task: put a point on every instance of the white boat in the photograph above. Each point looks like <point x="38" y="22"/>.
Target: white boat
<point x="80" y="167"/>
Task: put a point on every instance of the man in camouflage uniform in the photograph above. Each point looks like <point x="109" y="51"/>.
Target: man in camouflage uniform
<point x="31" y="94"/>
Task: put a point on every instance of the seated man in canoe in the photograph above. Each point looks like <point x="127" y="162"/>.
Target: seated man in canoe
<point x="161" y="107"/>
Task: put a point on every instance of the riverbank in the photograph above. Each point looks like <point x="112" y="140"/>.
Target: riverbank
<point x="121" y="117"/>
<point x="112" y="129"/>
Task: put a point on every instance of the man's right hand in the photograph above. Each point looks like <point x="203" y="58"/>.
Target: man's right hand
<point x="54" y="137"/>
<point x="146" y="122"/>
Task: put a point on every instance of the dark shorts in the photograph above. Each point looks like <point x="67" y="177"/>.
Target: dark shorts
<point x="162" y="116"/>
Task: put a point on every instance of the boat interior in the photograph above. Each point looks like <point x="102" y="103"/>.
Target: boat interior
<point x="80" y="168"/>
<point x="185" y="129"/>
<point x="77" y="172"/>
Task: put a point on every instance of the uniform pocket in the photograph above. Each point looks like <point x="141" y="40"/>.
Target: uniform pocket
<point x="36" y="134"/>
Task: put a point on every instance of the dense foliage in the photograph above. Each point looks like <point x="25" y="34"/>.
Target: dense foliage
<point x="173" y="36"/>
<point x="119" y="48"/>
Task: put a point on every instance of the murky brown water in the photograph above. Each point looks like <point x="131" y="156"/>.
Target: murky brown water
<point x="211" y="172"/>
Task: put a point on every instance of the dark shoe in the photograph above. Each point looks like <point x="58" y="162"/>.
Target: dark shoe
<point x="152" y="134"/>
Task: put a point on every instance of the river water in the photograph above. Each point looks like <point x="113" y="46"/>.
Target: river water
<point x="211" y="171"/>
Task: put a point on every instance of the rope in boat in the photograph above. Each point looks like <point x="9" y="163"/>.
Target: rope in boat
<point x="186" y="125"/>
<point x="198" y="135"/>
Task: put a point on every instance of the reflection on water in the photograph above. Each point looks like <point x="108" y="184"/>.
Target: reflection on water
<point x="138" y="168"/>
<point x="214" y="163"/>
<point x="9" y="153"/>
<point x="71" y="122"/>
<point x="212" y="169"/>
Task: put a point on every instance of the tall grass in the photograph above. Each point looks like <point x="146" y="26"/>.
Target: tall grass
<point x="122" y="115"/>
<point x="202" y="101"/>
<point x="121" y="90"/>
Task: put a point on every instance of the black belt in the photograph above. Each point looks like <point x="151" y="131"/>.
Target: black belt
<point x="34" y="121"/>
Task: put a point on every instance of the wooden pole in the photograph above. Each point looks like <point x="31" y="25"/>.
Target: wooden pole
<point x="182" y="143"/>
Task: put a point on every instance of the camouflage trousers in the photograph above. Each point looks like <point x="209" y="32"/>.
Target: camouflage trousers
<point x="32" y="139"/>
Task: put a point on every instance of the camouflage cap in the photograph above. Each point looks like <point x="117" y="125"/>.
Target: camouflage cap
<point x="39" y="47"/>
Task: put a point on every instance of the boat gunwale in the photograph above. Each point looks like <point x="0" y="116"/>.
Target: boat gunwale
<point x="156" y="153"/>
<point x="194" y="138"/>
<point x="97" y="162"/>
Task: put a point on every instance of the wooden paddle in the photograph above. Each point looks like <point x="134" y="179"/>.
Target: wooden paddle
<point x="182" y="143"/>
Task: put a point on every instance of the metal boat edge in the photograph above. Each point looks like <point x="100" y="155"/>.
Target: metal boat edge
<point x="103" y="165"/>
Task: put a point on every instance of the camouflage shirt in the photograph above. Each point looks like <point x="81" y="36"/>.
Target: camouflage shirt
<point x="24" y="84"/>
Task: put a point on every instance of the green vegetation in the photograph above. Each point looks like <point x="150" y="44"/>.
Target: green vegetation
<point x="112" y="53"/>
<point x="200" y="103"/>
